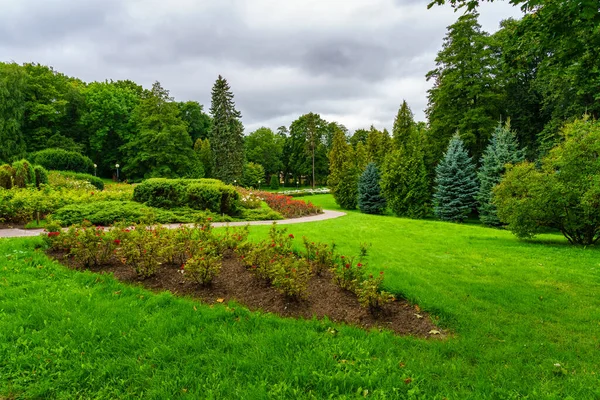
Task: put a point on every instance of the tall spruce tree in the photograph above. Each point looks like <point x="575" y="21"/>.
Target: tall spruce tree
<point x="404" y="125"/>
<point x="405" y="182"/>
<point x="370" y="199"/>
<point x="226" y="135"/>
<point x="344" y="172"/>
<point x="503" y="149"/>
<point x="455" y="183"/>
<point x="12" y="109"/>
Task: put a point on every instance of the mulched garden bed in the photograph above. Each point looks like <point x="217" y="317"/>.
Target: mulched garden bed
<point x="325" y="298"/>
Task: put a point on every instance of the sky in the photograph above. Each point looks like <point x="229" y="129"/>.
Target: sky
<point x="352" y="61"/>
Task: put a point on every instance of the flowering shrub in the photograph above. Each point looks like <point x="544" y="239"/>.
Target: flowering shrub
<point x="142" y="250"/>
<point x="349" y="272"/>
<point x="290" y="276"/>
<point x="320" y="256"/>
<point x="370" y="295"/>
<point x="248" y="198"/>
<point x="203" y="266"/>
<point x="289" y="207"/>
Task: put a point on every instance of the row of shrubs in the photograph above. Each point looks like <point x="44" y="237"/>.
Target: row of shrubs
<point x="21" y="205"/>
<point x="61" y="178"/>
<point x="198" y="252"/>
<point x="22" y="174"/>
<point x="198" y="194"/>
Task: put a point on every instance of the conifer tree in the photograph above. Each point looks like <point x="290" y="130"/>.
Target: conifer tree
<point x="274" y="183"/>
<point x="370" y="199"/>
<point x="361" y="156"/>
<point x="344" y="173"/>
<point x="405" y="183"/>
<point x="226" y="135"/>
<point x="503" y="149"/>
<point x="378" y="145"/>
<point x="455" y="183"/>
<point x="404" y="125"/>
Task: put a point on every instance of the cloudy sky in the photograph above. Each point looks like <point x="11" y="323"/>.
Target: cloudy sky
<point x="352" y="61"/>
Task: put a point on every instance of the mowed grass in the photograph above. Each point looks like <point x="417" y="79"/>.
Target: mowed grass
<point x="514" y="308"/>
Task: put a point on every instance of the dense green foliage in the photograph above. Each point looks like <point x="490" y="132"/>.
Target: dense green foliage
<point x="503" y="149"/>
<point x="205" y="156"/>
<point x="455" y="183"/>
<point x="344" y="174"/>
<point x="254" y="175"/>
<point x="264" y="147"/>
<point x="162" y="146"/>
<point x="563" y="194"/>
<point x="12" y="109"/>
<point x="199" y="194"/>
<point x="63" y="160"/>
<point x="370" y="199"/>
<point x="24" y="174"/>
<point x="226" y="134"/>
<point x="41" y="176"/>
<point x="404" y="126"/>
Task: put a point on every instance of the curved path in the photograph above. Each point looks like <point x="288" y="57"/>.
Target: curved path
<point x="327" y="214"/>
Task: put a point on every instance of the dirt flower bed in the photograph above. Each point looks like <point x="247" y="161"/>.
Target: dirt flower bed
<point x="221" y="267"/>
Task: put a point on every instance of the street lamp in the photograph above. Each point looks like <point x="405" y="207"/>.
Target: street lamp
<point x="235" y="182"/>
<point x="117" y="165"/>
<point x="95" y="166"/>
<point x="259" y="184"/>
<point x="297" y="185"/>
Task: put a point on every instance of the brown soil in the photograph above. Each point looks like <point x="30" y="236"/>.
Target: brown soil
<point x="324" y="299"/>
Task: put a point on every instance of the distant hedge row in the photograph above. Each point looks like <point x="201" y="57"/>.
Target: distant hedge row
<point x="63" y="160"/>
<point x="94" y="180"/>
<point x="199" y="194"/>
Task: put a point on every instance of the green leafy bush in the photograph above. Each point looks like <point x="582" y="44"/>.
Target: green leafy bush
<point x="563" y="194"/>
<point x="63" y="160"/>
<point x="204" y="266"/>
<point x="200" y="194"/>
<point x="24" y="174"/>
<point x="370" y="199"/>
<point x="7" y="174"/>
<point x="77" y="176"/>
<point x="41" y="175"/>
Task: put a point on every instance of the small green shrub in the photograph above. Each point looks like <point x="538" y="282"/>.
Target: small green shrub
<point x="203" y="266"/>
<point x="370" y="295"/>
<point x="63" y="160"/>
<point x="106" y="213"/>
<point x="7" y="174"/>
<point x="41" y="175"/>
<point x="141" y="249"/>
<point x="24" y="174"/>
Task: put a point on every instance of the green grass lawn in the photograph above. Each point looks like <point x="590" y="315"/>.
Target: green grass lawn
<point x="516" y="308"/>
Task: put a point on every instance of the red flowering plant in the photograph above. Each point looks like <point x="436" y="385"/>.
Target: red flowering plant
<point x="290" y="276"/>
<point x="349" y="272"/>
<point x="142" y="249"/>
<point x="90" y="245"/>
<point x="203" y="265"/>
<point x="289" y="207"/>
<point x="52" y="235"/>
<point x="320" y="256"/>
<point x="235" y="239"/>
<point x="370" y="295"/>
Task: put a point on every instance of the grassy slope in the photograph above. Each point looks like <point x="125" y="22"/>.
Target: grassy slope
<point x="516" y="309"/>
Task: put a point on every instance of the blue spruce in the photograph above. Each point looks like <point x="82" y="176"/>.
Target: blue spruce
<point x="503" y="149"/>
<point x="370" y="200"/>
<point x="455" y="183"/>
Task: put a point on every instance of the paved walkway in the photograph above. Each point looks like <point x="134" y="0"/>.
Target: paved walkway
<point x="327" y="214"/>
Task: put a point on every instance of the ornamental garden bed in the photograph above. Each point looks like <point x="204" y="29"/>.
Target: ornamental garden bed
<point x="221" y="267"/>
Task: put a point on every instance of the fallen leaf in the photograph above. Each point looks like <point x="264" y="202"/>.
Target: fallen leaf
<point x="195" y="309"/>
<point x="417" y="308"/>
<point x="402" y="365"/>
<point x="118" y="292"/>
<point x="408" y="380"/>
<point x="434" y="332"/>
<point x="419" y="316"/>
<point x="220" y="300"/>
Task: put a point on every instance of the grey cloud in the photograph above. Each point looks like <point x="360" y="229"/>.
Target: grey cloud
<point x="335" y="68"/>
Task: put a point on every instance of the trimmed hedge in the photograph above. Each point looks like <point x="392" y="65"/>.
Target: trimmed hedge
<point x="94" y="180"/>
<point x="7" y="174"/>
<point x="199" y="194"/>
<point x="63" y="160"/>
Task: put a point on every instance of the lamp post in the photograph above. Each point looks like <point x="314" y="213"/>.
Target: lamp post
<point x="117" y="166"/>
<point x="297" y="185"/>
<point x="95" y="166"/>
<point x="259" y="184"/>
<point x="235" y="182"/>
